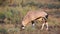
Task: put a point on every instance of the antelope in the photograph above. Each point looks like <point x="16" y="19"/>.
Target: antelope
<point x="35" y="15"/>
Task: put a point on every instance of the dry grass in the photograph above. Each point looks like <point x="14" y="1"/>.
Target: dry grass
<point x="54" y="19"/>
<point x="54" y="25"/>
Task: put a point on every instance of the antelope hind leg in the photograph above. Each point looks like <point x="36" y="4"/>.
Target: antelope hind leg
<point x="42" y="26"/>
<point x="46" y="25"/>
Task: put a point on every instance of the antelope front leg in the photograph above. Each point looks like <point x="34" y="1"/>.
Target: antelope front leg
<point x="33" y="24"/>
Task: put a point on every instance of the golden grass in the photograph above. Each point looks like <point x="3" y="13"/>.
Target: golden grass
<point x="53" y="21"/>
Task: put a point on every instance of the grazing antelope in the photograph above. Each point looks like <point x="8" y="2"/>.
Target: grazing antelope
<point x="35" y="15"/>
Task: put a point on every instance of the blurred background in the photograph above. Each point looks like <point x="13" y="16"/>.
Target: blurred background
<point x="13" y="11"/>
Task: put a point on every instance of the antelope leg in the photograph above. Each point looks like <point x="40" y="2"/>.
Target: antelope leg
<point x="42" y="26"/>
<point x="33" y="23"/>
<point x="47" y="26"/>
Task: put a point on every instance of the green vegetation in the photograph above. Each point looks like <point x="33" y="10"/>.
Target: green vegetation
<point x="2" y="15"/>
<point x="3" y="31"/>
<point x="13" y="11"/>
